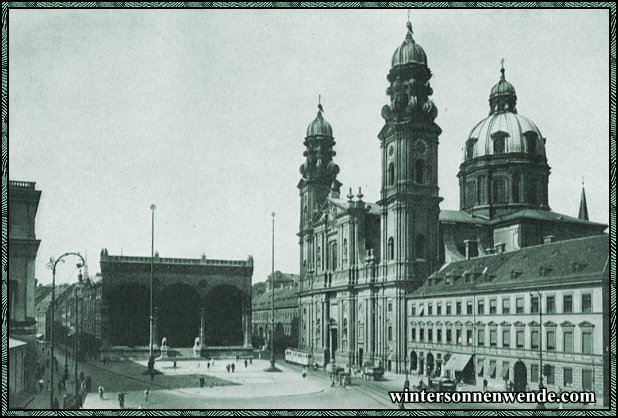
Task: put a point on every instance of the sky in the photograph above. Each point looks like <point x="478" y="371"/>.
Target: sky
<point x="204" y="113"/>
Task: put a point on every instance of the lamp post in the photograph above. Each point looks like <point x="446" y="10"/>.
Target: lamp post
<point x="272" y="367"/>
<point x="65" y="376"/>
<point x="52" y="266"/>
<point x="540" y="404"/>
<point x="76" y="335"/>
<point x="151" y="344"/>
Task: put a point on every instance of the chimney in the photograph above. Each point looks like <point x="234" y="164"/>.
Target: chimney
<point x="548" y="239"/>
<point x="471" y="249"/>
<point x="499" y="247"/>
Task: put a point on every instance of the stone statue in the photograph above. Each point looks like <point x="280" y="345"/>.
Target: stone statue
<point x="196" y="347"/>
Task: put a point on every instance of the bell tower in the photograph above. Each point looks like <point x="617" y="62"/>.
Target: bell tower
<point x="319" y="178"/>
<point x="409" y="147"/>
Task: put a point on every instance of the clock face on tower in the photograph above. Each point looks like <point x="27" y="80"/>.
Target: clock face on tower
<point x="420" y="147"/>
<point x="391" y="151"/>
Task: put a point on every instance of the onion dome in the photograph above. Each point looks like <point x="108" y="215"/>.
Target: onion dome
<point x="319" y="126"/>
<point x="502" y="97"/>
<point x="409" y="52"/>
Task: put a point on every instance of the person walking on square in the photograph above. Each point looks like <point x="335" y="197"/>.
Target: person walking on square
<point x="121" y="400"/>
<point x="146" y="395"/>
<point x="245" y="363"/>
<point x="228" y="367"/>
<point x="208" y="367"/>
<point x="233" y="367"/>
<point x="484" y="385"/>
<point x="101" y="392"/>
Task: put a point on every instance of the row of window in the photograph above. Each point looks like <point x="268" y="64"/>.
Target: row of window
<point x="481" y="341"/>
<point x="477" y="191"/>
<point x="499" y="145"/>
<point x="419" y="248"/>
<point x="550" y="378"/>
<point x="420" y="172"/>
<point x="506" y="305"/>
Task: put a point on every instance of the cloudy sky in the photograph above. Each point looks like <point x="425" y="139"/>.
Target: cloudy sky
<point x="204" y="112"/>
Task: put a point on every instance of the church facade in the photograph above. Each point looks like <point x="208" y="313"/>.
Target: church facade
<point x="360" y="262"/>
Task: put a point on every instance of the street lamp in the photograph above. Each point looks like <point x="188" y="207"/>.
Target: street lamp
<point x="52" y="266"/>
<point x="272" y="367"/>
<point x="151" y="344"/>
<point x="75" y="334"/>
<point x="540" y="404"/>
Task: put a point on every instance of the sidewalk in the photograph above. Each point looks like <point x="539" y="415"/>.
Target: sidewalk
<point x="395" y="382"/>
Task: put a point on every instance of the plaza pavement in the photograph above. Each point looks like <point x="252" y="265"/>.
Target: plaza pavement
<point x="249" y="388"/>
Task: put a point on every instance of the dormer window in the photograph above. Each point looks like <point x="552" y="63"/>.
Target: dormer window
<point x="544" y="271"/>
<point x="499" y="145"/>
<point x="470" y="148"/>
<point x="530" y="142"/>
<point x="515" y="274"/>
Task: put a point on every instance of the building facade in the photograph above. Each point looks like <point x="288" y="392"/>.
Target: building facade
<point x="209" y="299"/>
<point x="360" y="261"/>
<point x="23" y="246"/>
<point x="285" y="317"/>
<point x="499" y="317"/>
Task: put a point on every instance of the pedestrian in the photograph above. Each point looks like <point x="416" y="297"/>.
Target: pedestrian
<point x="146" y="394"/>
<point x="237" y="357"/>
<point x="121" y="400"/>
<point x="101" y="392"/>
<point x="174" y="362"/>
<point x="233" y="367"/>
<point x="304" y="372"/>
<point x="228" y="367"/>
<point x="245" y="363"/>
<point x="208" y="364"/>
<point x="41" y="384"/>
<point x="484" y="385"/>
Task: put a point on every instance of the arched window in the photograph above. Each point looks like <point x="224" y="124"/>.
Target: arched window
<point x="420" y="246"/>
<point x="344" y="256"/>
<point x="499" y="191"/>
<point x="470" y="193"/>
<point x="499" y="145"/>
<point x="391" y="174"/>
<point x="419" y="171"/>
<point x="391" y="248"/>
<point x="481" y="190"/>
<point x="531" y="191"/>
<point x="515" y="187"/>
<point x="334" y="256"/>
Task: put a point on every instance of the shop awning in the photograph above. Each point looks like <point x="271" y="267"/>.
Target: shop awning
<point x="458" y="362"/>
<point x="492" y="371"/>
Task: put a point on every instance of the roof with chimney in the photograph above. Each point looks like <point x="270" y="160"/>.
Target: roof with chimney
<point x="557" y="263"/>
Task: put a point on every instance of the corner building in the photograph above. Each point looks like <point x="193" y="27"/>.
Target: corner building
<point x="363" y="263"/>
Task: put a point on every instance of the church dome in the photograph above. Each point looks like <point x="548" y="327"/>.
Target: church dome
<point x="319" y="126"/>
<point x="503" y="88"/>
<point x="504" y="133"/>
<point x="409" y="52"/>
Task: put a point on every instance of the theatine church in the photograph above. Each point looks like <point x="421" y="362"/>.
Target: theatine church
<point x="362" y="262"/>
